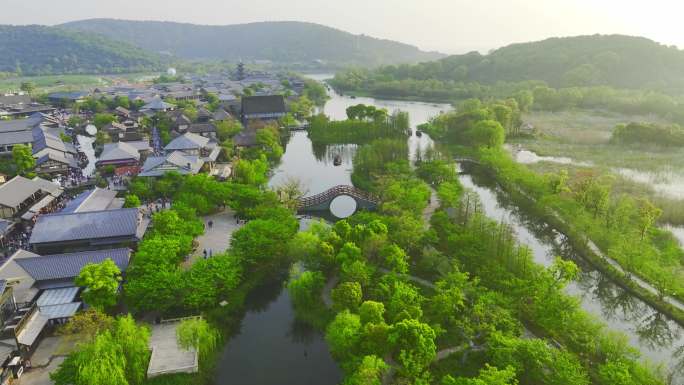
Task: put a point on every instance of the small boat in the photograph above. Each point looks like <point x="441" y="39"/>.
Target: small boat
<point x="337" y="160"/>
<point x="353" y="97"/>
<point x="419" y="133"/>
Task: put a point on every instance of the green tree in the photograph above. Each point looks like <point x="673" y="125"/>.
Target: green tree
<point x="118" y="355"/>
<point x="101" y="282"/>
<point x="100" y="120"/>
<point x="347" y="295"/>
<point x="414" y="344"/>
<point x="28" y="87"/>
<point x="23" y="159"/>
<point x="132" y="200"/>
<point x="306" y="289"/>
<point x="210" y="280"/>
<point x="369" y="372"/>
<point x="489" y="375"/>
<point x="343" y="333"/>
<point x="198" y="334"/>
<point x="259" y="244"/>
<point x="487" y="133"/>
<point x="372" y="312"/>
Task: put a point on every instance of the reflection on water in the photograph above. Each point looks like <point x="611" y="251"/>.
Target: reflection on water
<point x="678" y="232"/>
<point x="343" y="206"/>
<point x="658" y="338"/>
<point x="530" y="157"/>
<point x="272" y="347"/>
<point x="667" y="182"/>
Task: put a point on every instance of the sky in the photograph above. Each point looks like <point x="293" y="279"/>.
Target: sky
<point x="449" y="26"/>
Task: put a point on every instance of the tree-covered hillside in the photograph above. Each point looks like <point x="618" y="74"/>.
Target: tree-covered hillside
<point x="283" y="42"/>
<point x="612" y="60"/>
<point x="38" y="50"/>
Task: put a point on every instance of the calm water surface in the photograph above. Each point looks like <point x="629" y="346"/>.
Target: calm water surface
<point x="658" y="338"/>
<point x="272" y="347"/>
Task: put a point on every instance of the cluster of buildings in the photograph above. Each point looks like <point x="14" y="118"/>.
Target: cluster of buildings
<point x="20" y="105"/>
<point x="49" y="233"/>
<point x="37" y="288"/>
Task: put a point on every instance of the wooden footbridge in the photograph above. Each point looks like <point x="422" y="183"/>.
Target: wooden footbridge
<point x="321" y="202"/>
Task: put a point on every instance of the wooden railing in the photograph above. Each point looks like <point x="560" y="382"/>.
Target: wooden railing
<point x="333" y="193"/>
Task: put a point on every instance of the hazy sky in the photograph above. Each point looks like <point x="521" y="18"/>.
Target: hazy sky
<point x="451" y="26"/>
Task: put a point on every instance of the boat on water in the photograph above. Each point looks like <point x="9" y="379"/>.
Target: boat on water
<point x="337" y="160"/>
<point x="353" y="97"/>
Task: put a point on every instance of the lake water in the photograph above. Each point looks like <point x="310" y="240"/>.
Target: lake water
<point x="272" y="347"/>
<point x="257" y="354"/>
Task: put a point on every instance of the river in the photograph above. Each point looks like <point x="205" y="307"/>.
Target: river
<point x="654" y="334"/>
<point x="651" y="332"/>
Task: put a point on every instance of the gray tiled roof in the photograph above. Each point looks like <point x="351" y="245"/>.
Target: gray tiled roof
<point x="86" y="225"/>
<point x="202" y="127"/>
<point x="97" y="199"/>
<point x="21" y="124"/>
<point x="71" y="95"/>
<point x="61" y="266"/>
<point x="15" y="137"/>
<point x="245" y="138"/>
<point x="263" y="104"/>
<point x="157" y="104"/>
<point x="50" y="154"/>
<point x="5" y="226"/>
<point x="221" y="114"/>
<point x="58" y="296"/>
<point x="18" y="189"/>
<point x="118" y="151"/>
<point x="187" y="141"/>
<point x="175" y="161"/>
<point x="63" y="310"/>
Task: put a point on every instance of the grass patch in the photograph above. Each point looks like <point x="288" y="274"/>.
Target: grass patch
<point x="53" y="83"/>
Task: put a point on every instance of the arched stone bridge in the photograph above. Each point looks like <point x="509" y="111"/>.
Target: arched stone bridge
<point x="322" y="201"/>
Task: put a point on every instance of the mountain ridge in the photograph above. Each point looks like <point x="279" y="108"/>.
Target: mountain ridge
<point x="39" y="50"/>
<point x="278" y="41"/>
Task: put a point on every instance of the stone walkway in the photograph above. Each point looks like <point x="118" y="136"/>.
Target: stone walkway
<point x="215" y="238"/>
<point x="431" y="207"/>
<point x="41" y="376"/>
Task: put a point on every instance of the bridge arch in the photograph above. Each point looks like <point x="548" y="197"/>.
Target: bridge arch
<point x="320" y="203"/>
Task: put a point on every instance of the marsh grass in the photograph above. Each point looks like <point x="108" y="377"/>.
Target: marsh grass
<point x="52" y="83"/>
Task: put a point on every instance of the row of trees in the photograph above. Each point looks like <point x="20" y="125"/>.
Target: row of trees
<point x="490" y="252"/>
<point x="536" y="94"/>
<point x="365" y="124"/>
<point x="648" y="133"/>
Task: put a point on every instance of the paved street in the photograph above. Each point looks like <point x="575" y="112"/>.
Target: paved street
<point x="217" y="237"/>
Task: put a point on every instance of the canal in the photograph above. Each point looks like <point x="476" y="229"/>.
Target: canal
<point x="658" y="338"/>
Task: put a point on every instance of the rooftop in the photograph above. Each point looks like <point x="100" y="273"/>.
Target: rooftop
<point x="187" y="141"/>
<point x="265" y="104"/>
<point x="18" y="189"/>
<point x="118" y="151"/>
<point x="69" y="265"/>
<point x="63" y="227"/>
<point x="97" y="199"/>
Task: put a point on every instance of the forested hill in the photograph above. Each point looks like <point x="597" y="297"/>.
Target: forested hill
<point x="613" y="60"/>
<point x="36" y="50"/>
<point x="283" y="42"/>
